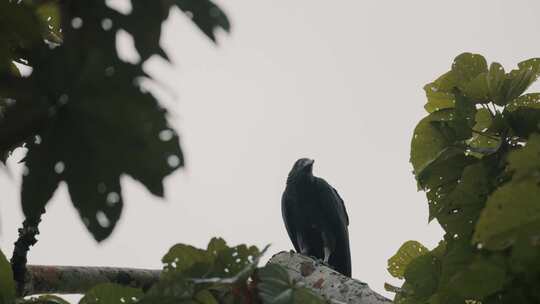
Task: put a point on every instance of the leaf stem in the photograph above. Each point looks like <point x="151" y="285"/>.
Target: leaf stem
<point x="485" y="135"/>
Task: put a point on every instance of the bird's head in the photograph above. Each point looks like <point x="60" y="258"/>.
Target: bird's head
<point x="302" y="170"/>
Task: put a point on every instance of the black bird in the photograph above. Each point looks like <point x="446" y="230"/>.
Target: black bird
<point x="316" y="218"/>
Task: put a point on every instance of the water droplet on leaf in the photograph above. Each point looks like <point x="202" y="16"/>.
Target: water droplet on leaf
<point x="76" y="22"/>
<point x="113" y="198"/>
<point x="173" y="161"/>
<point x="166" y="135"/>
<point x="59" y="167"/>
<point x="106" y="24"/>
<point x="102" y="219"/>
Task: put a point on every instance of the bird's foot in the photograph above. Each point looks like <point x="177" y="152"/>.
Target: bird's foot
<point x="320" y="261"/>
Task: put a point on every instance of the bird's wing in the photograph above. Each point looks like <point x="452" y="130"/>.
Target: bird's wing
<point x="287" y="201"/>
<point x="341" y="205"/>
<point x="333" y="207"/>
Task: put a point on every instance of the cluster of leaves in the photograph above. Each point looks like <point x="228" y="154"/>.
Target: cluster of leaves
<point x="217" y="274"/>
<point x="477" y="157"/>
<point x="81" y="112"/>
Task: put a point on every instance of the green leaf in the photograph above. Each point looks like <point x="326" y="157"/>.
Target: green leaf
<point x="439" y="95"/>
<point x="7" y="285"/>
<point x="531" y="100"/>
<point x="445" y="83"/>
<point x="464" y="116"/>
<point x="517" y="81"/>
<point x="479" y="280"/>
<point x="456" y="190"/>
<point x="525" y="257"/>
<point x="457" y="256"/>
<point x="109" y="293"/>
<point x="445" y="169"/>
<point x="171" y="288"/>
<point x="467" y="67"/>
<point x="189" y="271"/>
<point x="405" y="254"/>
<point x="524" y="121"/>
<point x="509" y="210"/>
<point x="218" y="261"/>
<point x="513" y="209"/>
<point x="306" y="296"/>
<point x="483" y="119"/>
<point x="422" y="276"/>
<point x="532" y="63"/>
<point x="461" y="204"/>
<point x="231" y="261"/>
<point x="274" y="284"/>
<point x="188" y="259"/>
<point x="527" y="159"/>
<point x="496" y="77"/>
<point x="478" y="88"/>
<point x="276" y="287"/>
<point x="205" y="297"/>
<point x="429" y="140"/>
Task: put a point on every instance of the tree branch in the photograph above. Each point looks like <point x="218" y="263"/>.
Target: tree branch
<point x="325" y="281"/>
<point x="78" y="279"/>
<point x="321" y="279"/>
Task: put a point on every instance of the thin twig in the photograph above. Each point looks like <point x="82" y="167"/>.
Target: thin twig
<point x="26" y="239"/>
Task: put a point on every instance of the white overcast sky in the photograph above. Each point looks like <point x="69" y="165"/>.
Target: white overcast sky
<point x="340" y="83"/>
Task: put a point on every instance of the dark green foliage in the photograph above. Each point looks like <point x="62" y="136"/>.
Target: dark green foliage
<point x="82" y="113"/>
<point x="111" y="293"/>
<point x="207" y="275"/>
<point x="477" y="157"/>
<point x="7" y="285"/>
<point x="275" y="287"/>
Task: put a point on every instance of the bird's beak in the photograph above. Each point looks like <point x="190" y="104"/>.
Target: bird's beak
<point x="309" y="165"/>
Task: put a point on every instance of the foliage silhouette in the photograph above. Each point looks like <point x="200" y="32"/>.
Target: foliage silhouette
<point x="81" y="112"/>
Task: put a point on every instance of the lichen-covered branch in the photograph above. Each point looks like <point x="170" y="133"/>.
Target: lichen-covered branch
<point x="78" y="280"/>
<point x="325" y="281"/>
<point x="333" y="286"/>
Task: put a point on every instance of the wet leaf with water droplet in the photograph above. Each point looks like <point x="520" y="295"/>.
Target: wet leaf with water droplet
<point x="206" y="15"/>
<point x="112" y="293"/>
<point x="398" y="263"/>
